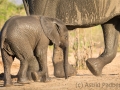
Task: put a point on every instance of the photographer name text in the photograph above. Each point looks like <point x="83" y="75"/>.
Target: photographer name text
<point x="99" y="85"/>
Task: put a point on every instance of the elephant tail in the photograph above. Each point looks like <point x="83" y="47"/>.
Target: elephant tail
<point x="4" y="30"/>
<point x="3" y="35"/>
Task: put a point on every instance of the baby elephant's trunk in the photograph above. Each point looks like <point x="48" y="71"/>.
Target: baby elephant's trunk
<point x="65" y="51"/>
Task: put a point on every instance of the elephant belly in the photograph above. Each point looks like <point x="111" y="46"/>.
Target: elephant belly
<point x="78" y="12"/>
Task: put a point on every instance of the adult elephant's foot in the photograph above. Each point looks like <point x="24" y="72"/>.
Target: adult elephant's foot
<point x="59" y="70"/>
<point x="95" y="66"/>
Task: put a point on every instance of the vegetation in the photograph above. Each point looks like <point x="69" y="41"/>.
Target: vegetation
<point x="84" y="44"/>
<point x="8" y="9"/>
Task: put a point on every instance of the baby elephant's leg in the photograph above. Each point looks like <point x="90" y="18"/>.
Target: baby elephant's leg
<point x="45" y="77"/>
<point x="26" y="68"/>
<point x="7" y="62"/>
<point x="42" y="58"/>
<point x="41" y="55"/>
<point x="33" y="68"/>
<point x="25" y="56"/>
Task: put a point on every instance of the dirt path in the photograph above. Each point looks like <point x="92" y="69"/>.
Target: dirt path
<point x="110" y="79"/>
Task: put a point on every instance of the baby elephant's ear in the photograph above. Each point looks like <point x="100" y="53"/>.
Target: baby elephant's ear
<point x="50" y="29"/>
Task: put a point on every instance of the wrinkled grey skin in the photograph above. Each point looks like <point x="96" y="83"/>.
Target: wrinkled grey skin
<point x="84" y="13"/>
<point x="27" y="38"/>
<point x="57" y="54"/>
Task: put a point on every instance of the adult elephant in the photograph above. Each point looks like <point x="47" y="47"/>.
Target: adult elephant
<point x="84" y="13"/>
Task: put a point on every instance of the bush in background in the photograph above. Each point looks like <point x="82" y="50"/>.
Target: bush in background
<point x="85" y="43"/>
<point x="8" y="9"/>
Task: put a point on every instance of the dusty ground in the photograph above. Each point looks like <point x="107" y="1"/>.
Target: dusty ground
<point x="110" y="79"/>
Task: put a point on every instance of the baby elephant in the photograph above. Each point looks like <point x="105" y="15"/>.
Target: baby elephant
<point x="27" y="38"/>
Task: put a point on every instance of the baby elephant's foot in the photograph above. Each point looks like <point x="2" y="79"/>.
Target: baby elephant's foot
<point x="45" y="79"/>
<point x="23" y="81"/>
<point x="35" y="76"/>
<point x="8" y="84"/>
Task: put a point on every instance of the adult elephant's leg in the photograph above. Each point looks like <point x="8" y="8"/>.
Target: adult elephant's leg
<point x="58" y="64"/>
<point x="110" y="31"/>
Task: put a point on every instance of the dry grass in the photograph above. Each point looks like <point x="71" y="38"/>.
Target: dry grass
<point x="85" y="43"/>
